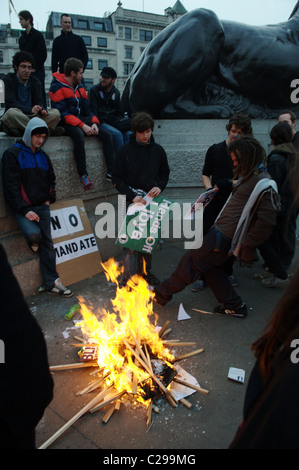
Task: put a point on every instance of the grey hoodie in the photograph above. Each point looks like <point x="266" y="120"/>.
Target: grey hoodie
<point x="33" y="124"/>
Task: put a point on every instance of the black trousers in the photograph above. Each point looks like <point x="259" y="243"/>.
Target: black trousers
<point x="206" y="260"/>
<point x="78" y="137"/>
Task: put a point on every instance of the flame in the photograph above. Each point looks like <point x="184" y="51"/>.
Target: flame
<point x="133" y="321"/>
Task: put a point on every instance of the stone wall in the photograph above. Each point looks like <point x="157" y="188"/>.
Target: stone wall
<point x="185" y="142"/>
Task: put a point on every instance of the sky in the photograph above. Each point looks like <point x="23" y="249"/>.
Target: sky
<point x="254" y="12"/>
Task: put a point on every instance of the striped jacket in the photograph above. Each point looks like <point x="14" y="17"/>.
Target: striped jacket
<point x="72" y="103"/>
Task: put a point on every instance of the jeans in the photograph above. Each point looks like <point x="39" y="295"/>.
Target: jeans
<point x="119" y="138"/>
<point x="207" y="260"/>
<point x="78" y="137"/>
<point x="40" y="232"/>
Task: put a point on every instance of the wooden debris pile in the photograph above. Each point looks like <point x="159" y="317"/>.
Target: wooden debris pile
<point x="160" y="377"/>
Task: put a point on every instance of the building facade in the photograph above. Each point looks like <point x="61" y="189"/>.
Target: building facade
<point x="116" y="40"/>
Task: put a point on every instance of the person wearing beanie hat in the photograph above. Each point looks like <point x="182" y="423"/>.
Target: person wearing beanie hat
<point x="29" y="189"/>
<point x="104" y="101"/>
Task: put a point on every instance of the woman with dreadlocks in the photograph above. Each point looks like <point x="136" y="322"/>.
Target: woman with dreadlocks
<point x="271" y="412"/>
<point x="245" y="222"/>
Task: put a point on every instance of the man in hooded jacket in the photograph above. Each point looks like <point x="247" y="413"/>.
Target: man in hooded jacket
<point x="29" y="188"/>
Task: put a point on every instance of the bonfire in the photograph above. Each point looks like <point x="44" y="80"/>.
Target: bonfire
<point x="128" y="351"/>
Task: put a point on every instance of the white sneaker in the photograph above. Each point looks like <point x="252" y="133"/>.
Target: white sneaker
<point x="60" y="289"/>
<point x="274" y="281"/>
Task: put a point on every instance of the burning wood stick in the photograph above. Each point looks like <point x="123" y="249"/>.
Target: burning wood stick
<point x="79" y="339"/>
<point x="164" y="328"/>
<point x="109" y="413"/>
<point x="67" y="425"/>
<point x="187" y="355"/>
<point x="138" y="347"/>
<point x="76" y="365"/>
<point x="93" y="385"/>
<point x="166" y="332"/>
<point x="149" y="414"/>
<point x="156" y="408"/>
<point x="117" y="405"/>
<point x="144" y="365"/>
<point x="203" y="311"/>
<point x="107" y="401"/>
<point x="194" y="387"/>
<point x="84" y="345"/>
<point x="134" y="379"/>
<point x="172" y="401"/>
<point x="186" y="402"/>
<point x="179" y="343"/>
<point x="97" y="371"/>
<point x="148" y="359"/>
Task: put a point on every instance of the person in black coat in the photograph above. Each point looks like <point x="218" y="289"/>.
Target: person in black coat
<point x="33" y="41"/>
<point x="271" y="412"/>
<point x="67" y="45"/>
<point x="278" y="252"/>
<point x="26" y="385"/>
<point x="140" y="168"/>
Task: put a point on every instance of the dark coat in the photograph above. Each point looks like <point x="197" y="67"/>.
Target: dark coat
<point x="26" y="385"/>
<point x="66" y="46"/>
<point x="34" y="42"/>
<point x="106" y="106"/>
<point x="11" y="93"/>
<point x="140" y="167"/>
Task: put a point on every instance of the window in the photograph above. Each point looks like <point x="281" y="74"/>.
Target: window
<point x="128" y="68"/>
<point x="82" y="24"/>
<point x="145" y="35"/>
<point x="1" y="56"/>
<point x="89" y="64"/>
<point x="88" y="83"/>
<point x="102" y="42"/>
<point x="87" y="40"/>
<point x="128" y="33"/>
<point x="102" y="63"/>
<point x="128" y="52"/>
<point x="98" y="26"/>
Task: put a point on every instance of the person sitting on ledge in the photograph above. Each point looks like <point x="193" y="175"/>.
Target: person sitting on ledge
<point x="69" y="97"/>
<point x="29" y="188"/>
<point x="24" y="99"/>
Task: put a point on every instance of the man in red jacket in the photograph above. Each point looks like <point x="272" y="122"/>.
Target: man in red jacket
<point x="69" y="96"/>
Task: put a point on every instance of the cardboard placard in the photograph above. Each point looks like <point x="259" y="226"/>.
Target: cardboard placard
<point x="77" y="254"/>
<point x="141" y="229"/>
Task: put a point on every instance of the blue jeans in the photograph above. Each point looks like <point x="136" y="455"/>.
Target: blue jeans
<point x="40" y="232"/>
<point x="118" y="137"/>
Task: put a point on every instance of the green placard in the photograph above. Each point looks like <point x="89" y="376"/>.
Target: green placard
<point x="141" y="230"/>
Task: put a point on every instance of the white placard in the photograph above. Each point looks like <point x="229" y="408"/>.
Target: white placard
<point x="71" y="249"/>
<point x="236" y="374"/>
<point x="65" y="221"/>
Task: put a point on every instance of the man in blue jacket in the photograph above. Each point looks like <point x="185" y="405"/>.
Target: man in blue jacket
<point x="29" y="188"/>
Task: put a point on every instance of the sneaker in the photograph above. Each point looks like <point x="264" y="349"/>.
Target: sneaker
<point x="272" y="281"/>
<point x="240" y="312"/>
<point x="60" y="289"/>
<point x="262" y="275"/>
<point x="198" y="285"/>
<point x="108" y="177"/>
<point x="87" y="184"/>
<point x="151" y="279"/>
<point x="233" y="281"/>
<point x="34" y="247"/>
